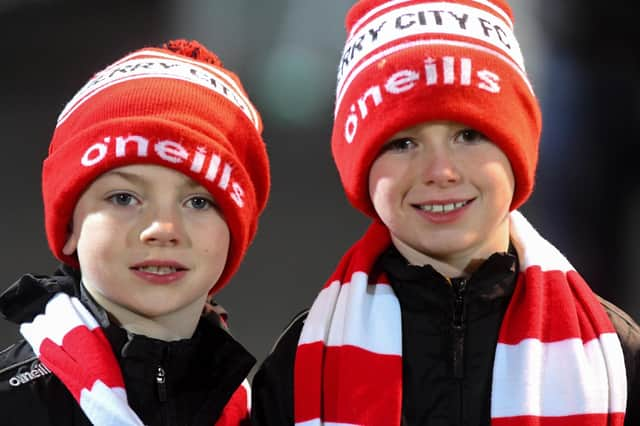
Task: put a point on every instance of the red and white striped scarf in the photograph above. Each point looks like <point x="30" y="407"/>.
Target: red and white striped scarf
<point x="70" y="342"/>
<point x="558" y="360"/>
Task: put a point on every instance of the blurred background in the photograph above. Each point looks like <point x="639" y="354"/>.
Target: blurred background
<point x="581" y="57"/>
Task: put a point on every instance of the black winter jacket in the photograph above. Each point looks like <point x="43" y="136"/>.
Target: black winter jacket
<point x="449" y="338"/>
<point x="186" y="382"/>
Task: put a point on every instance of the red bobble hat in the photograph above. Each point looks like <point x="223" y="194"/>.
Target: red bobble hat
<point x="175" y="106"/>
<point x="406" y="62"/>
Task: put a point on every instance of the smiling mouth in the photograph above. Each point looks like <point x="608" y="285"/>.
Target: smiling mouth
<point x="158" y="270"/>
<point x="442" y="208"/>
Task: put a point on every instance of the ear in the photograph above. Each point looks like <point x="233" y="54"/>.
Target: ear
<point x="72" y="242"/>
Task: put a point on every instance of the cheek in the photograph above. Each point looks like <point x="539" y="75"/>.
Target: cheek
<point x="381" y="186"/>
<point x="510" y="177"/>
<point x="387" y="197"/>
<point x="387" y="188"/>
<point x="503" y="175"/>
<point x="100" y="238"/>
<point x="497" y="170"/>
<point x="215" y="251"/>
<point x="212" y="236"/>
<point x="499" y="180"/>
<point x="218" y="244"/>
<point x="377" y="194"/>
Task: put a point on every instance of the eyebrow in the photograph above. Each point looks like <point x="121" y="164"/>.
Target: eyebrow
<point x="131" y="177"/>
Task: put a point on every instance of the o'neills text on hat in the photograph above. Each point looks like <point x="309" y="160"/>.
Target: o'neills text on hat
<point x="453" y="69"/>
<point x="172" y="152"/>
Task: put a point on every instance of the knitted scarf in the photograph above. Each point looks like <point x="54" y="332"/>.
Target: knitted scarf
<point x="70" y="342"/>
<point x="558" y="360"/>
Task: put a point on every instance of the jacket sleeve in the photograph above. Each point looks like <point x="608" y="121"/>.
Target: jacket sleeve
<point x="272" y="390"/>
<point x="29" y="393"/>
<point x="629" y="333"/>
<point x="632" y="353"/>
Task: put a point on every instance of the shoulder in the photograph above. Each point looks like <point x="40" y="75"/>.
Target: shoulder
<point x="26" y="387"/>
<point x="272" y="388"/>
<point x="628" y="332"/>
<point x="283" y="353"/>
<point x="626" y="327"/>
<point x="14" y="358"/>
<point x="287" y="343"/>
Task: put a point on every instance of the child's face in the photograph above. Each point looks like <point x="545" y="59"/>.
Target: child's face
<point x="444" y="192"/>
<point x="150" y="240"/>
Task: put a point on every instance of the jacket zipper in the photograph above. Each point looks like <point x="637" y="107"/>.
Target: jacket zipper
<point x="458" y="326"/>
<point x="161" y="383"/>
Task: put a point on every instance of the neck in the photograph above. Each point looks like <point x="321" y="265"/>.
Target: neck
<point x="458" y="263"/>
<point x="449" y="268"/>
<point x="176" y="325"/>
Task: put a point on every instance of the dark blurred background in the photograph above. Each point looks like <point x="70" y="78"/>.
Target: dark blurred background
<point x="581" y="56"/>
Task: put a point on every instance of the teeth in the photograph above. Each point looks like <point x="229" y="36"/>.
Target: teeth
<point x="159" y="270"/>
<point x="442" y="208"/>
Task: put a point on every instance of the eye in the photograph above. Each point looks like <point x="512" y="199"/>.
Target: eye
<point x="122" y="199"/>
<point x="199" y="203"/>
<point x="471" y="136"/>
<point x="399" y="145"/>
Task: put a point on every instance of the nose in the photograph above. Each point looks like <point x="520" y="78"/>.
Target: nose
<point x="440" y="167"/>
<point x="163" y="228"/>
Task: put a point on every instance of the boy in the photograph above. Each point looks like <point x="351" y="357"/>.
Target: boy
<point x="153" y="185"/>
<point x="451" y="309"/>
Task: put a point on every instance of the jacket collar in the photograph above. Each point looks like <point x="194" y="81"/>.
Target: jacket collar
<point x="423" y="288"/>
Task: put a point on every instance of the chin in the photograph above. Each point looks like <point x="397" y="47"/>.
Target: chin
<point x="152" y="312"/>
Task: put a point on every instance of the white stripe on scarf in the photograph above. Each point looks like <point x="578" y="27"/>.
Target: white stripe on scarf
<point x="103" y="405"/>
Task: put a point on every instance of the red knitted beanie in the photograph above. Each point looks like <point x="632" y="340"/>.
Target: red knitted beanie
<point x="408" y="61"/>
<point x="174" y="106"/>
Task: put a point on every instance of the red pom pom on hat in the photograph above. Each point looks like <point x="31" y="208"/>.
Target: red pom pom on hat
<point x="193" y="49"/>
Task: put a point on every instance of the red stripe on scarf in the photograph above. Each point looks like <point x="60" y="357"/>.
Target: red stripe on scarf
<point x="374" y="401"/>
<point x="533" y="313"/>
<point x="98" y="360"/>
<point x="593" y="312"/>
<point x="371" y="403"/>
<point x="236" y="412"/>
<point x="307" y="380"/>
<point x="615" y="419"/>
